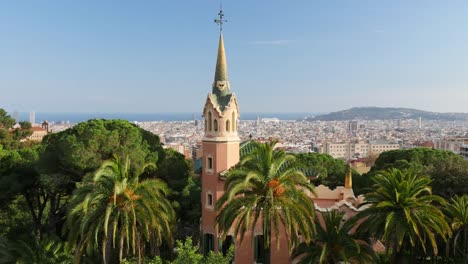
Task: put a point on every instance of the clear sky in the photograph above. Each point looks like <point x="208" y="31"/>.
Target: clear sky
<point x="283" y="56"/>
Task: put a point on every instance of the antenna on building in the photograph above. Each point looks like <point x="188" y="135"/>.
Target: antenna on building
<point x="220" y="21"/>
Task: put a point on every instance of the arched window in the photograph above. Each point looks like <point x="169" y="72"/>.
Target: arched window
<point x="206" y="125"/>
<point x="215" y="124"/>
<point x="234" y="121"/>
<point x="209" y="121"/>
<point x="228" y="125"/>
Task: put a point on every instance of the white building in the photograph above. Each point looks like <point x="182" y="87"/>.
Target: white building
<point x="360" y="149"/>
<point x="464" y="151"/>
<point x="450" y="144"/>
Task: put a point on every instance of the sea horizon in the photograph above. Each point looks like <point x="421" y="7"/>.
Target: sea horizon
<point x="76" y="117"/>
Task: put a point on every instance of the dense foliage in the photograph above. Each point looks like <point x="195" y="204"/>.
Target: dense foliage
<point x="83" y="148"/>
<point x="387" y="113"/>
<point x="113" y="205"/>
<point x="404" y="213"/>
<point x="88" y="192"/>
<point x="335" y="243"/>
<point x="447" y="170"/>
<point x="328" y="170"/>
<point x="37" y="182"/>
<point x="188" y="253"/>
<point x="457" y="212"/>
<point x="11" y="137"/>
<point x="267" y="188"/>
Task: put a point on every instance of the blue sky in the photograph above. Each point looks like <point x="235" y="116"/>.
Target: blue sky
<point x="283" y="56"/>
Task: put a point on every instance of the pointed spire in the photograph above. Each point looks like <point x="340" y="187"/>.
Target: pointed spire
<point x="221" y="64"/>
<point x="221" y="82"/>
<point x="221" y="74"/>
<point x="348" y="177"/>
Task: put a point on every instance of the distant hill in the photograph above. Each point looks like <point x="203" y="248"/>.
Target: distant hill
<point x="384" y="113"/>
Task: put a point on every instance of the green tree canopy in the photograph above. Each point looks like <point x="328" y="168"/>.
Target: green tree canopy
<point x="448" y="171"/>
<point x="187" y="253"/>
<point x="330" y="171"/>
<point x="415" y="156"/>
<point x="19" y="176"/>
<point x="5" y="120"/>
<point x="457" y="211"/>
<point x="46" y="250"/>
<point x="268" y="187"/>
<point x="11" y="138"/>
<point x="334" y="243"/>
<point x="174" y="169"/>
<point x="403" y="213"/>
<point x="114" y="205"/>
<point x="25" y="125"/>
<point x="82" y="148"/>
<point x="177" y="172"/>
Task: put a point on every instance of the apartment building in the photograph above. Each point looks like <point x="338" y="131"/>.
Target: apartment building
<point x="450" y="144"/>
<point x="464" y="151"/>
<point x="359" y="149"/>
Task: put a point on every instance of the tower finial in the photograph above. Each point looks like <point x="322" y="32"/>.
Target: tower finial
<point x="220" y="21"/>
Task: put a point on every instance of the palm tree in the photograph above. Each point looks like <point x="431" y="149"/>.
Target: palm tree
<point x="266" y="186"/>
<point x="457" y="211"/>
<point x="46" y="250"/>
<point x="114" y="204"/>
<point x="334" y="243"/>
<point x="403" y="214"/>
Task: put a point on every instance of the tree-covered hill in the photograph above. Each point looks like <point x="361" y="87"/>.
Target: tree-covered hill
<point x="385" y="113"/>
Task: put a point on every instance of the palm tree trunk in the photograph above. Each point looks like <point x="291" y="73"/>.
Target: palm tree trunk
<point x="447" y="248"/>
<point x="139" y="249"/>
<point x="104" y="249"/>
<point x="77" y="256"/>
<point x="465" y="237"/>
<point x="395" y="253"/>
<point x="268" y="249"/>
<point x="121" y="245"/>
<point x="413" y="255"/>
<point x="268" y="255"/>
<point x="106" y="246"/>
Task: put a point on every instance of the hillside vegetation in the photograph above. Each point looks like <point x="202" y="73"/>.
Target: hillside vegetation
<point x="385" y="113"/>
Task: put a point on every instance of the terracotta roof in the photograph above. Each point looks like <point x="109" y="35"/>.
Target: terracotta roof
<point x="424" y="144"/>
<point x="37" y="129"/>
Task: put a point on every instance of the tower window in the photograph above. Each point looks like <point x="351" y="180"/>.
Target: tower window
<point x="209" y="121"/>
<point x="210" y="163"/>
<point x="234" y="122"/>
<point x="208" y="243"/>
<point x="209" y="199"/>
<point x="228" y="125"/>
<point x="215" y="124"/>
<point x="259" y="249"/>
<point x="226" y="244"/>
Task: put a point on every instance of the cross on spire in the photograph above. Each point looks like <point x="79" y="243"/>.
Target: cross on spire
<point x="220" y="21"/>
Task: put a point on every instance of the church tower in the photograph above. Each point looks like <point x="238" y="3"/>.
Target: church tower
<point x="220" y="146"/>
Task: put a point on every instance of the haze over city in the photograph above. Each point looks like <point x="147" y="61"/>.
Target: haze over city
<point x="283" y="56"/>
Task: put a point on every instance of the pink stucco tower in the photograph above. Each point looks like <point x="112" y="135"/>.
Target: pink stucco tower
<point x="220" y="148"/>
<point x="221" y="151"/>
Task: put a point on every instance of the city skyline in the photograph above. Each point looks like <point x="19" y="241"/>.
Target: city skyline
<point x="297" y="56"/>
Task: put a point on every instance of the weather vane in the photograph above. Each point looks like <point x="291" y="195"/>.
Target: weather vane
<point x="220" y="21"/>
